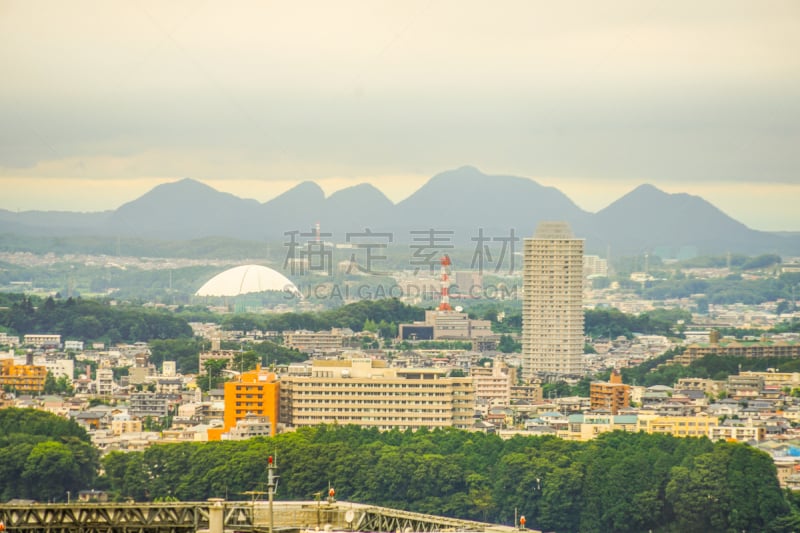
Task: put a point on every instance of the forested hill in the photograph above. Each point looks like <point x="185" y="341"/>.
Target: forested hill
<point x="622" y="482"/>
<point x="42" y="456"/>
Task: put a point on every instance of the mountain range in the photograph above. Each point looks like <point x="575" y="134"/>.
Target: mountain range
<point x="463" y="201"/>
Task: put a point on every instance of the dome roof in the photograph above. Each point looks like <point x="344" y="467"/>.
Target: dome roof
<point x="246" y="279"/>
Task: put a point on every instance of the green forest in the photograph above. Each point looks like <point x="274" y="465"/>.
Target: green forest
<point x="618" y="482"/>
<point x="76" y="318"/>
<point x="623" y="482"/>
<point x="42" y="456"/>
<point x="710" y="366"/>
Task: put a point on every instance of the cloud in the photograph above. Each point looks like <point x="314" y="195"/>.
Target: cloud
<point x="619" y="93"/>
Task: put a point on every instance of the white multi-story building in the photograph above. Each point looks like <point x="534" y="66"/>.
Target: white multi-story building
<point x="42" y="340"/>
<point x="8" y="340"/>
<point x="104" y="381"/>
<point x="552" y="305"/>
<point x="58" y="367"/>
<point x="493" y="384"/>
<point x="594" y="266"/>
<point x="315" y="341"/>
<point x="366" y="392"/>
<point x="72" y="345"/>
<point x="169" y="369"/>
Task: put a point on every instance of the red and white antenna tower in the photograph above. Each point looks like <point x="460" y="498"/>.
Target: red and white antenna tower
<point x="444" y="302"/>
<point x="316" y="231"/>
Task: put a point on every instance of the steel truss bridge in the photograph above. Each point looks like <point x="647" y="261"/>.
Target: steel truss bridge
<point x="254" y="517"/>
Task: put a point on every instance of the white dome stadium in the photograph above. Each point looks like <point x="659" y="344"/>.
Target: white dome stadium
<point x="247" y="279"/>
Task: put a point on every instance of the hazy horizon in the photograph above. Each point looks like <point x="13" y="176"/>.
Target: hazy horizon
<point x="102" y="101"/>
<point x="587" y="192"/>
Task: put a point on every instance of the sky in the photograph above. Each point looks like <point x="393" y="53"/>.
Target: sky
<point x="100" y="101"/>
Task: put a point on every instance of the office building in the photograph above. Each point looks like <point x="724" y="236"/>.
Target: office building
<point x="446" y="325"/>
<point x="552" y="306"/>
<point x="367" y="393"/>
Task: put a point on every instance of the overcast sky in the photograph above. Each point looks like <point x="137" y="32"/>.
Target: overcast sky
<point x="102" y="100"/>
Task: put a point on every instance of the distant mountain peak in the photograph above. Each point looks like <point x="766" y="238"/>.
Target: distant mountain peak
<point x="362" y="190"/>
<point x="304" y="193"/>
<point x="648" y="187"/>
<point x="647" y="193"/>
<point x="308" y="186"/>
<point x="462" y="173"/>
<point x="185" y="183"/>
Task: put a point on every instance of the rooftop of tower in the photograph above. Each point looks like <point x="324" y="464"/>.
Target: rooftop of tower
<point x="553" y="230"/>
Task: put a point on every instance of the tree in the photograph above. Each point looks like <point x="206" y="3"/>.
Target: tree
<point x="50" y="384"/>
<point x="245" y="361"/>
<point x="213" y="375"/>
<point x="508" y="345"/>
<point x="50" y="470"/>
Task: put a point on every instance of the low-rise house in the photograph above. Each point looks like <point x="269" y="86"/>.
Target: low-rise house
<point x="738" y="430"/>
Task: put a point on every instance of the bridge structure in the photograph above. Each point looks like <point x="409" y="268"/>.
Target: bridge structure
<point x="218" y="516"/>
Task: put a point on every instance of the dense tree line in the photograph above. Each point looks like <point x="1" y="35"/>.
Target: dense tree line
<point x="619" y="482"/>
<point x="186" y="354"/>
<point x="353" y="316"/>
<point x="711" y="366"/>
<point x="612" y="323"/>
<point x="42" y="456"/>
<point x="76" y="318"/>
<point x="606" y="322"/>
<point x="729" y="290"/>
<point x="735" y="261"/>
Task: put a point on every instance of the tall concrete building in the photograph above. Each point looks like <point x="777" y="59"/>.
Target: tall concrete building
<point x="552" y="305"/>
<point x="368" y="393"/>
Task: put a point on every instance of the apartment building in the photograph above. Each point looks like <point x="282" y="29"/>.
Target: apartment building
<point x="680" y="426"/>
<point x="144" y="404"/>
<point x="552" y="305"/>
<point x="493" y="383"/>
<point x="42" y="340"/>
<point x="23" y="379"/>
<point x="780" y="348"/>
<point x="253" y="393"/>
<point x="587" y="426"/>
<point x="315" y="341"/>
<point x="104" y="382"/>
<point x="611" y="395"/>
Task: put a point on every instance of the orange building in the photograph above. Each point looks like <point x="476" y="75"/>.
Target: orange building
<point x="253" y="393"/>
<point x="22" y="378"/>
<point x="612" y="395"/>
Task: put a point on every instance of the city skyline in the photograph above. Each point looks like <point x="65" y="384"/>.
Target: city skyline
<point x="103" y="101"/>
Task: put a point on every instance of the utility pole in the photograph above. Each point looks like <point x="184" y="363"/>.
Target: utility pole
<point x="271" y="485"/>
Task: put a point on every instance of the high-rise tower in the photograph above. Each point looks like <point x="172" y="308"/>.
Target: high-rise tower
<point x="552" y="306"/>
